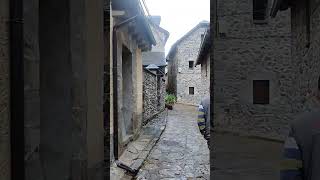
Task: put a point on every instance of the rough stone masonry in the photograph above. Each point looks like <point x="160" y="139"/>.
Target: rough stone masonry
<point x="183" y="76"/>
<point x="246" y="51"/>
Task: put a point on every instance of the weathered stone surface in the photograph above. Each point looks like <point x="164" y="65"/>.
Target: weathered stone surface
<point x="180" y="77"/>
<point x="153" y="94"/>
<point x="306" y="58"/>
<point x="150" y="102"/>
<point x="250" y="52"/>
<point x="181" y="152"/>
<point x="237" y="157"/>
<point x="4" y="92"/>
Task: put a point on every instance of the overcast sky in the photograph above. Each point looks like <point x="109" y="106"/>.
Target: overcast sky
<point x="179" y="16"/>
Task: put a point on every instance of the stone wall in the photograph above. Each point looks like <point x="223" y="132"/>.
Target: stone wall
<point x="187" y="51"/>
<point x="306" y="54"/>
<point x="154" y="91"/>
<point x="32" y="89"/>
<point x="162" y="93"/>
<point x="150" y="103"/>
<point x="4" y="90"/>
<point x="248" y="52"/>
<point x="205" y="75"/>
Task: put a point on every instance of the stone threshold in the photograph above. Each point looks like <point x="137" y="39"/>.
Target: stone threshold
<point x="138" y="150"/>
<point x="249" y="135"/>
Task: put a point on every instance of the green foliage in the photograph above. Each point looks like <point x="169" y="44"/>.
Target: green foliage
<point x="170" y="99"/>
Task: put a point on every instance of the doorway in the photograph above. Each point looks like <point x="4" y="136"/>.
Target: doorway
<point x="127" y="93"/>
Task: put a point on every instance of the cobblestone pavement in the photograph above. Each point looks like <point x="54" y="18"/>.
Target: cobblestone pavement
<point x="244" y="158"/>
<point x="181" y="152"/>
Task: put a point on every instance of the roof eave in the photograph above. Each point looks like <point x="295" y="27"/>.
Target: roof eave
<point x="174" y="46"/>
<point x="150" y="36"/>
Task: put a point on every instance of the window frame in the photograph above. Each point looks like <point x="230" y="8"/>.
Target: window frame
<point x="257" y="97"/>
<point x="192" y="90"/>
<point x="192" y="66"/>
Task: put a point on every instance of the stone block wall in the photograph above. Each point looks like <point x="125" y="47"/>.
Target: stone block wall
<point x="150" y="103"/>
<point x="187" y="51"/>
<point x="153" y="94"/>
<point x="248" y="52"/>
<point x="4" y="92"/>
<point x="306" y="54"/>
<point x="205" y="75"/>
<point x="162" y="93"/>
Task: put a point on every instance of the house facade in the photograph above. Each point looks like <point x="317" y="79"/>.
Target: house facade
<point x="305" y="49"/>
<point x="184" y="79"/>
<point x="253" y="69"/>
<point x="131" y="36"/>
<point x="154" y="64"/>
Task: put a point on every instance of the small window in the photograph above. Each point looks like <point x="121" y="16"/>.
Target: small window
<point x="261" y="92"/>
<point x="191" y="64"/>
<point x="191" y="90"/>
<point x="260" y="11"/>
<point x="202" y="36"/>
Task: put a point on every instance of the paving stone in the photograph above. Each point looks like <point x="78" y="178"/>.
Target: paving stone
<point x="181" y="152"/>
<point x="138" y="150"/>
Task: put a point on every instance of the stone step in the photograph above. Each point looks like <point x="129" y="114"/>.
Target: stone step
<point x="137" y="151"/>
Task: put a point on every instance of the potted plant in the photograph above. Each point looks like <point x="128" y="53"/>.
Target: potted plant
<point x="170" y="100"/>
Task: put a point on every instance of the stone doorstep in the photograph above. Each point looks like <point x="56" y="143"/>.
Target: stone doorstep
<point x="137" y="151"/>
<point x="246" y="134"/>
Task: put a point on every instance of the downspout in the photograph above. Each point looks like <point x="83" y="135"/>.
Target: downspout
<point x="115" y="82"/>
<point x="16" y="90"/>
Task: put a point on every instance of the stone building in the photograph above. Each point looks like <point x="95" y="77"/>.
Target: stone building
<point x="131" y="36"/>
<point x="154" y="64"/>
<point x="253" y="69"/>
<point x="305" y="16"/>
<point x="203" y="59"/>
<point x="184" y="79"/>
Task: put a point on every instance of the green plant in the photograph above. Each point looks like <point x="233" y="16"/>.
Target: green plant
<point x="170" y="99"/>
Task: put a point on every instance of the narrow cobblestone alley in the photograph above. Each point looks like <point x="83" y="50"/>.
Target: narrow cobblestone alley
<point x="181" y="152"/>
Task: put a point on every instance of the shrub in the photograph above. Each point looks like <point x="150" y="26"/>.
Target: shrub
<point x="170" y="99"/>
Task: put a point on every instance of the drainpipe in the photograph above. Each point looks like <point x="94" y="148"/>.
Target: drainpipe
<point x="115" y="82"/>
<point x="16" y="90"/>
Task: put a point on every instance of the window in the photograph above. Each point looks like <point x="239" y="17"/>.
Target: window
<point x="261" y="92"/>
<point x="260" y="11"/>
<point x="202" y="36"/>
<point x="191" y="90"/>
<point x="191" y="64"/>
